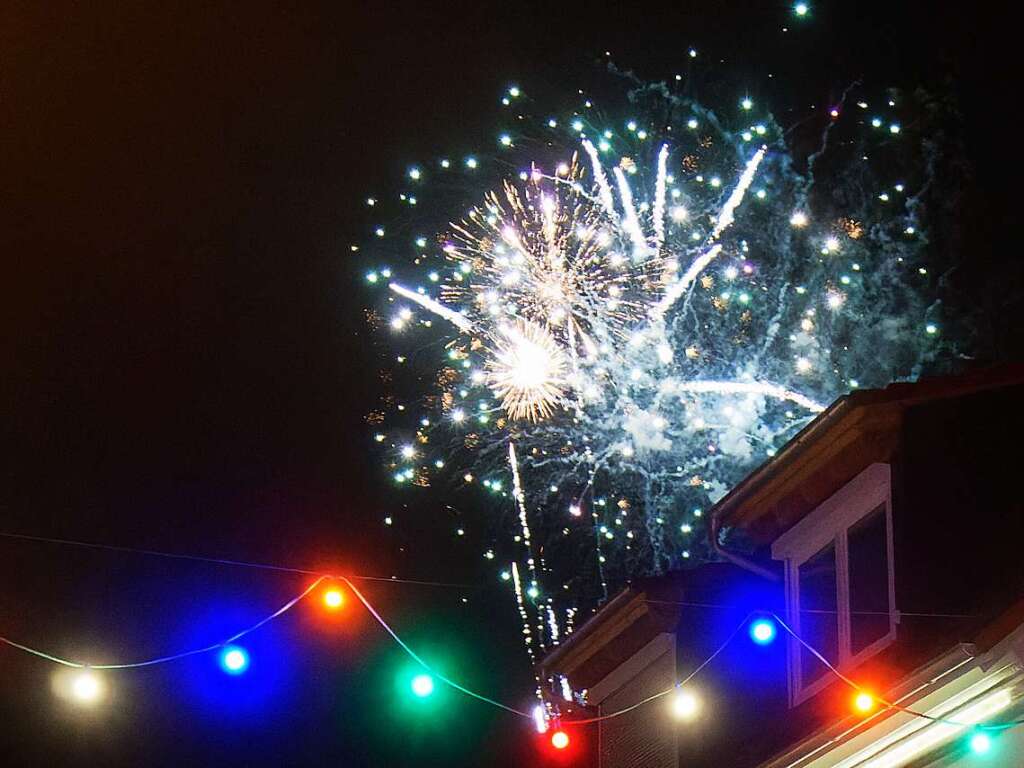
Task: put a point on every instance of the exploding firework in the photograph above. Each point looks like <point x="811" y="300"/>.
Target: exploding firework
<point x="644" y="312"/>
<point x="527" y="371"/>
<point x="548" y="253"/>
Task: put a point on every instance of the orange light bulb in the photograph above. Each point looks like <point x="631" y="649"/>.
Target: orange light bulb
<point x="334" y="599"/>
<point x="863" y="702"/>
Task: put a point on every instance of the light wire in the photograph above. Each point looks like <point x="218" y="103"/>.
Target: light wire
<point x="238" y="635"/>
<point x="677" y="686"/>
<point x="321" y="576"/>
<point x="419" y="660"/>
<point x="732" y="635"/>
<point x="889" y="704"/>
<point x="172" y="657"/>
<point x="222" y="561"/>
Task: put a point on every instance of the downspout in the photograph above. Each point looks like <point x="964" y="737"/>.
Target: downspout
<point x="737" y="559"/>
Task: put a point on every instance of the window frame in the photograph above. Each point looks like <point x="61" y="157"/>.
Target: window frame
<point x="830" y="523"/>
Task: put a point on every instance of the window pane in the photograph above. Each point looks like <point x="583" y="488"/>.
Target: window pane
<point x="819" y="621"/>
<point x="869" y="581"/>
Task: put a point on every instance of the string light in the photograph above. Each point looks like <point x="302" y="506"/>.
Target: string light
<point x="763" y="631"/>
<point x="863" y="702"/>
<point x="86" y="687"/>
<point x="334" y="599"/>
<point x="980" y="743"/>
<point x="234" y="660"/>
<point x="684" y="705"/>
<point x="422" y="685"/>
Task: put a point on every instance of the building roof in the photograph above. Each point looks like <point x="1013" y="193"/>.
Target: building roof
<point x="856" y="430"/>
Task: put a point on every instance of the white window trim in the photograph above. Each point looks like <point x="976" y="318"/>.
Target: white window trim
<point x="829" y="524"/>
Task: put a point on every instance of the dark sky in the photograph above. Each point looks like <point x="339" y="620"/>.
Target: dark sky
<point x="185" y="364"/>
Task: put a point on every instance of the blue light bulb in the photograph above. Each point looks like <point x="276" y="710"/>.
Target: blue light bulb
<point x="762" y="631"/>
<point x="234" y="659"/>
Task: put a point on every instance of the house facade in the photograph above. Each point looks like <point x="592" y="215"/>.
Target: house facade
<point x="882" y="550"/>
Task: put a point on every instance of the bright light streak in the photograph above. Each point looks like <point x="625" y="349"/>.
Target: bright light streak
<point x="751" y="388"/>
<point x="604" y="188"/>
<point x="727" y="216"/>
<point x="658" y="213"/>
<point x="456" y="319"/>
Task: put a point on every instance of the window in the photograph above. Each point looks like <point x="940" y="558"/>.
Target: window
<point x="840" y="590"/>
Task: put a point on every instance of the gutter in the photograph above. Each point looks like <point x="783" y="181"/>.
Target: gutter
<point x="737" y="559"/>
<point x="731" y="499"/>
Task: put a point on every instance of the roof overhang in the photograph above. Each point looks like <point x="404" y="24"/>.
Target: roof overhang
<point x="856" y="430"/>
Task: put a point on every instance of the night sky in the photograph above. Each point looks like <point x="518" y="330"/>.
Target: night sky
<point x="186" y="364"/>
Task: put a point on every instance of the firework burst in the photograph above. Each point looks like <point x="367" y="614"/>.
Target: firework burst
<point x="654" y="309"/>
<point x="546" y="252"/>
<point x="527" y="371"/>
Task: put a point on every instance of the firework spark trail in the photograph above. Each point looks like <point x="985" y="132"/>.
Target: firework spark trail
<point x="553" y="625"/>
<point x="517" y="587"/>
<point x="520" y="497"/>
<point x="750" y="388"/>
<point x="453" y="317"/>
<point x="631" y="222"/>
<point x="604" y="188"/>
<point x="726" y="217"/>
<point x="658" y="213"/>
<point x="679" y="287"/>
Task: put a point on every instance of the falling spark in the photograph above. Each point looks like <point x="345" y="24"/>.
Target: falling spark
<point x="658" y="213"/>
<point x="459" y="321"/>
<point x="600" y="178"/>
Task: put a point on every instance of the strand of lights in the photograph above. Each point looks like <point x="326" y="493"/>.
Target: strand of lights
<point x="89" y="686"/>
<point x="439" y="309"/>
<point x="678" y="686"/>
<point x="762" y="631"/>
<point x="864" y="700"/>
<point x="427" y="667"/>
<point x="174" y="656"/>
<point x="86" y="687"/>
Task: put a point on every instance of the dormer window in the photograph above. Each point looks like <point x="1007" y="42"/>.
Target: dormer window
<point x="840" y="591"/>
